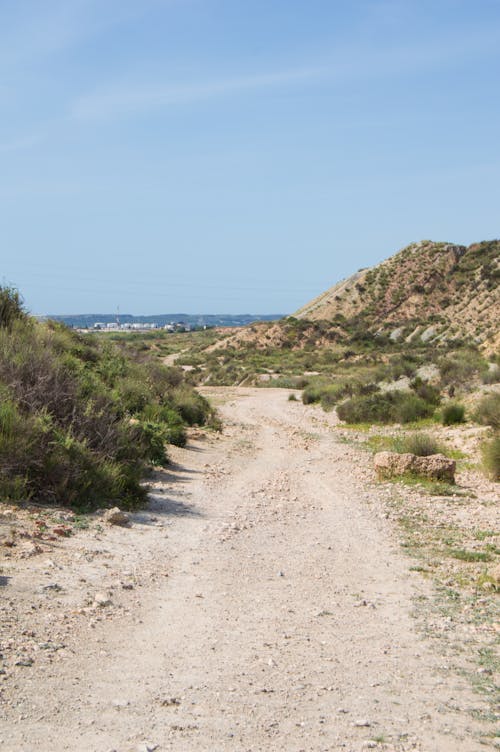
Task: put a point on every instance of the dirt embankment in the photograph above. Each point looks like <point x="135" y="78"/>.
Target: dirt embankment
<point x="261" y="603"/>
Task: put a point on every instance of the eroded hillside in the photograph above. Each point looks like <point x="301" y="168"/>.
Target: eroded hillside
<point x="428" y="290"/>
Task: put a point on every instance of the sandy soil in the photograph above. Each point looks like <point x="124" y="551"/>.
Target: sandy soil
<point x="260" y="603"/>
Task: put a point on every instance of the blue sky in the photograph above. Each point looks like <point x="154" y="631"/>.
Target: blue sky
<point x="238" y="155"/>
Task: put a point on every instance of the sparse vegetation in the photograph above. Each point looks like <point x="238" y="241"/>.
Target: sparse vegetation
<point x="488" y="411"/>
<point x="420" y="444"/>
<point x="490" y="450"/>
<point x="452" y="413"/>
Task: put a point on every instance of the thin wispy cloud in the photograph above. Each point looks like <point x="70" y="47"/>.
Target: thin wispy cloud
<point x="31" y="31"/>
<point x="348" y="65"/>
<point x="21" y="144"/>
<point x="125" y="99"/>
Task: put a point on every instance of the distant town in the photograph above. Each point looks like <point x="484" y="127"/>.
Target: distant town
<point x="116" y="326"/>
<point x="170" y="322"/>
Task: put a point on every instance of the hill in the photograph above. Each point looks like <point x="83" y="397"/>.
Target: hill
<point x="428" y="290"/>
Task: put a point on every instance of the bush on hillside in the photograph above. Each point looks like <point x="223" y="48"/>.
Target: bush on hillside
<point x="492" y="375"/>
<point x="452" y="414"/>
<point x="426" y="391"/>
<point x="330" y="394"/>
<point x="385" y="407"/>
<point x="490" y="450"/>
<point x="461" y="367"/>
<point x="488" y="411"/>
<point x="11" y="307"/>
<point x="420" y="444"/>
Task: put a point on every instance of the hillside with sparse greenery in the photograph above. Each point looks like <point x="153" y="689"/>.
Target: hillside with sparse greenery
<point x="428" y="291"/>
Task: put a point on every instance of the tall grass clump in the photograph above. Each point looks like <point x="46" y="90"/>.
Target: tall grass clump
<point x="461" y="367"/>
<point x="490" y="451"/>
<point x="488" y="411"/>
<point x="452" y="414"/>
<point x="421" y="444"/>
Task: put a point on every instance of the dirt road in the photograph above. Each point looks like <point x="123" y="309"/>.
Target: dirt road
<point x="271" y="611"/>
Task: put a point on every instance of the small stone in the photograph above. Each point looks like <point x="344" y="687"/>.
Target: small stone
<point x="115" y="516"/>
<point x="102" y="600"/>
<point x="53" y="586"/>
<point x="362" y="723"/>
<point x="51" y="646"/>
<point x="24" y="662"/>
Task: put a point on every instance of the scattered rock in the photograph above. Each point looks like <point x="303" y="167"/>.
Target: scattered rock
<point x="393" y="464"/>
<point x="115" y="516"/>
<point x="168" y="701"/>
<point x="102" y="600"/>
<point x="24" y="662"/>
<point x="362" y="723"/>
<point x="51" y="646"/>
<point x="53" y="586"/>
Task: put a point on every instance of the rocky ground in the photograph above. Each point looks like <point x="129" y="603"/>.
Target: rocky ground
<point x="272" y="597"/>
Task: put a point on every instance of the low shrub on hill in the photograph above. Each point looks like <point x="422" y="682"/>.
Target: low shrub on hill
<point x="490" y="451"/>
<point x="488" y="411"/>
<point x="461" y="367"/>
<point x="79" y="421"/>
<point x="330" y="394"/>
<point x="452" y="414"/>
<point x="385" y="407"/>
<point x="420" y="444"/>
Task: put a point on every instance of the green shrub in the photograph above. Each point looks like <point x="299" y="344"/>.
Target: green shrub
<point x="488" y="411"/>
<point x="385" y="407"/>
<point x="192" y="407"/>
<point x="11" y="307"/>
<point x="426" y="391"/>
<point x="155" y="435"/>
<point x="452" y="413"/>
<point x="461" y="367"/>
<point x="312" y="394"/>
<point x="490" y="450"/>
<point x="329" y="394"/>
<point x="492" y="376"/>
<point x="420" y="444"/>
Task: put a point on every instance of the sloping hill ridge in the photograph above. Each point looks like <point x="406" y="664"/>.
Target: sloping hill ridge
<point x="428" y="290"/>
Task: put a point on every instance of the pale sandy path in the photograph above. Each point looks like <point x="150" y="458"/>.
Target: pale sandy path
<point x="284" y="624"/>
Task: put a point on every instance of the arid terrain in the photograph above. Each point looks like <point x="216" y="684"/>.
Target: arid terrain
<point x="263" y="601"/>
